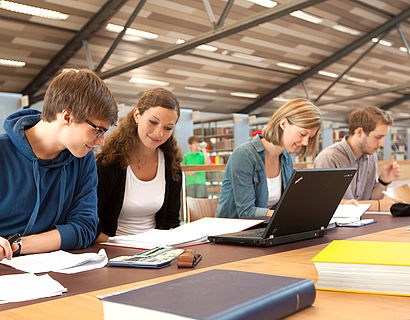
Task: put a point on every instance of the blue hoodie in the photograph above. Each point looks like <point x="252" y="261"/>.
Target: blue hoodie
<point x="38" y="195"/>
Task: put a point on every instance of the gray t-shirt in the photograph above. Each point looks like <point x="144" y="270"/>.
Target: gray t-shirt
<point x="340" y="155"/>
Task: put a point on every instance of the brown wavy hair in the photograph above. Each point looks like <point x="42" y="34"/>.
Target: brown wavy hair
<point x="120" y="144"/>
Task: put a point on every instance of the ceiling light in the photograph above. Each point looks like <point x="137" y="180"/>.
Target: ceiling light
<point x="247" y="56"/>
<point x="383" y="42"/>
<point x="12" y="63"/>
<point x="207" y="47"/>
<point x="345" y="29"/>
<point x="201" y="89"/>
<point x="290" y="66"/>
<point x="34" y="11"/>
<point x="281" y="99"/>
<point x="69" y="69"/>
<point x="354" y="79"/>
<point x="202" y="46"/>
<point x="306" y="16"/>
<point x="404" y="49"/>
<point x="148" y="81"/>
<point x="131" y="31"/>
<point x="328" y="74"/>
<point x="265" y="3"/>
<point x="245" y="95"/>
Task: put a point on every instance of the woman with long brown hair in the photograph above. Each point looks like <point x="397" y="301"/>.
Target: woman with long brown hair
<point x="139" y="169"/>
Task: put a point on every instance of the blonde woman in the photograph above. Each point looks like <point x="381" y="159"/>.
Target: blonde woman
<point x="258" y="171"/>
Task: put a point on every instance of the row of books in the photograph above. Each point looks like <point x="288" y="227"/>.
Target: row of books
<point x="212" y="131"/>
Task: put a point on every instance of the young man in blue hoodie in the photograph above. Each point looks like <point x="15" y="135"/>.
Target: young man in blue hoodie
<point x="48" y="182"/>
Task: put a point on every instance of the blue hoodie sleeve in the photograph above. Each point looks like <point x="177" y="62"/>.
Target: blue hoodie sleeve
<point x="80" y="227"/>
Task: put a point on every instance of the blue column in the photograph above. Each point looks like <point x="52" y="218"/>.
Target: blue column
<point x="240" y="128"/>
<point x="387" y="146"/>
<point x="184" y="129"/>
<point x="408" y="144"/>
<point x="327" y="134"/>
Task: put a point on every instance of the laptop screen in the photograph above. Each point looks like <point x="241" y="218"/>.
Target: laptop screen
<point x="309" y="200"/>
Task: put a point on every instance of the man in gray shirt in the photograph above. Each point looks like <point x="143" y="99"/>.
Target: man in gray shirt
<point x="367" y="129"/>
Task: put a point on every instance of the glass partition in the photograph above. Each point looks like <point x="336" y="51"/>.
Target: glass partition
<point x="210" y="188"/>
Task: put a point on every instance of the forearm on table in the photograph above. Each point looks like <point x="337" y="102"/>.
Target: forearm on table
<point x="42" y="242"/>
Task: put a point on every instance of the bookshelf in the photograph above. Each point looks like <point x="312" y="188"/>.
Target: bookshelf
<point x="399" y="138"/>
<point x="222" y="134"/>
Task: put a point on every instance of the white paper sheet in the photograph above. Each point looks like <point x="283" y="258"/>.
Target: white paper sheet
<point x="217" y="226"/>
<point x="155" y="237"/>
<point x="58" y="261"/>
<point x="188" y="234"/>
<point x="28" y="286"/>
<point x="348" y="213"/>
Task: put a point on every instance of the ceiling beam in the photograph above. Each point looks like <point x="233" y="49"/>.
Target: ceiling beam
<point x="348" y="69"/>
<point x="244" y="24"/>
<point x="328" y="61"/>
<point x="396" y="102"/>
<point x="120" y="35"/>
<point x="224" y="14"/>
<point x="70" y="49"/>
<point x="363" y="95"/>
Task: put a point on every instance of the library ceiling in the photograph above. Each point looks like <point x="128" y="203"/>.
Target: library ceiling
<point x="225" y="56"/>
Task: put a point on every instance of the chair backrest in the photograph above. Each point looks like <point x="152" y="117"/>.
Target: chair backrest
<point x="199" y="208"/>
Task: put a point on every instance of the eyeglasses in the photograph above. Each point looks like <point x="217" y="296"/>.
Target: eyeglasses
<point x="99" y="131"/>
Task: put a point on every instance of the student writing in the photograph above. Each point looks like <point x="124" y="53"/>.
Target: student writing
<point x="48" y="185"/>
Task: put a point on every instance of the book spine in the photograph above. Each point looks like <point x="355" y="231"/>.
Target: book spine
<point x="275" y="305"/>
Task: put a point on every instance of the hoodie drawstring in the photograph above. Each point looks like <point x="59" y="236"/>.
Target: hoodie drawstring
<point x="61" y="196"/>
<point x="34" y="214"/>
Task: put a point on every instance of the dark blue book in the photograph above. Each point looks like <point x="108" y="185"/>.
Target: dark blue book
<point x="214" y="294"/>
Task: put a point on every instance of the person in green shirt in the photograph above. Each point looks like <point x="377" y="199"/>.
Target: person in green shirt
<point x="196" y="181"/>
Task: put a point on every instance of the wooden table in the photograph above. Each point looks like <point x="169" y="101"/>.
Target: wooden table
<point x="288" y="260"/>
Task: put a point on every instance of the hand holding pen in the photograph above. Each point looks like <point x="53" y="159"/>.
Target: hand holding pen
<point x="9" y="245"/>
<point x="390" y="172"/>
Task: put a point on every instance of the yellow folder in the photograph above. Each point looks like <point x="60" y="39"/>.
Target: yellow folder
<point x="366" y="252"/>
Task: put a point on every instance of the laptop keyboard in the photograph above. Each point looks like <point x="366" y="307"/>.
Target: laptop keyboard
<point x="252" y="233"/>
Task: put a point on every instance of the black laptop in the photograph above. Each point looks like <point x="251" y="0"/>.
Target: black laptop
<point x="303" y="212"/>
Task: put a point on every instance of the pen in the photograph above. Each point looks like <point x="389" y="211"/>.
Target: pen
<point x="14" y="238"/>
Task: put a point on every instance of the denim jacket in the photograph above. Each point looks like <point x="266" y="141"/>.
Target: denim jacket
<point x="244" y="191"/>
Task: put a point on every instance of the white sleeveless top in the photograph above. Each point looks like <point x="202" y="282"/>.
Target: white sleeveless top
<point x="275" y="190"/>
<point x="142" y="200"/>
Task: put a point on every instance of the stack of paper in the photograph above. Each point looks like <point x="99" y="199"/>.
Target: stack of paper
<point x="58" y="261"/>
<point x="189" y="234"/>
<point x="364" y="266"/>
<point x="28" y="286"/>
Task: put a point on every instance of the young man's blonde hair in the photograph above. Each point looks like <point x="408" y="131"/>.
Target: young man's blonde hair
<point x="299" y="112"/>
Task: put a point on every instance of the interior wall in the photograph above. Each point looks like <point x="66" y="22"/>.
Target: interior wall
<point x="9" y="103"/>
